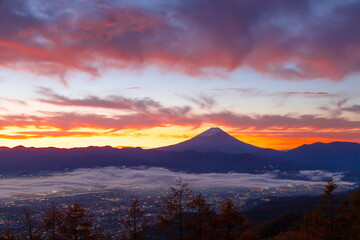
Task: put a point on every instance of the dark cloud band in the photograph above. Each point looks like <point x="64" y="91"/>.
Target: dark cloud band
<point x="298" y="39"/>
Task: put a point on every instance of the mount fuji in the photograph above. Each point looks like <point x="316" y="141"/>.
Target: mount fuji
<point x="213" y="151"/>
<point x="212" y="140"/>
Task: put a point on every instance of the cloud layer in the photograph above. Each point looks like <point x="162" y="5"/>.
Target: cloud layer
<point x="297" y="39"/>
<point x="83" y="180"/>
<point x="124" y="113"/>
<point x="63" y="123"/>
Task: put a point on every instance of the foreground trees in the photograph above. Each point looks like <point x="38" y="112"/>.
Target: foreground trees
<point x="174" y="207"/>
<point x="231" y="223"/>
<point x="52" y="220"/>
<point x="76" y="224"/>
<point x="320" y="224"/>
<point x="201" y="223"/>
<point x="29" y="222"/>
<point x="187" y="217"/>
<point x="182" y="216"/>
<point x="329" y="221"/>
<point x="135" y="222"/>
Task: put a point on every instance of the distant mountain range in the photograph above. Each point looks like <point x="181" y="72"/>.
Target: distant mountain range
<point x="212" y="151"/>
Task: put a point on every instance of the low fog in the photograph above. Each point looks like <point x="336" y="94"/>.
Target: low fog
<point x="83" y="180"/>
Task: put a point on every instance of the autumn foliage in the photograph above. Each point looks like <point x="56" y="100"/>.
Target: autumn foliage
<point x="184" y="216"/>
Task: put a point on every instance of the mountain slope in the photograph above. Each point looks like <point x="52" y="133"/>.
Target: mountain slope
<point x="212" y="151"/>
<point x="337" y="156"/>
<point x="212" y="140"/>
<point x="33" y="160"/>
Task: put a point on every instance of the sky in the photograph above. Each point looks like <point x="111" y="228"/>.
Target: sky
<point x="275" y="74"/>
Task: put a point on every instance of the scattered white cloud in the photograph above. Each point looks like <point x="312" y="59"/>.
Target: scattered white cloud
<point x="319" y="175"/>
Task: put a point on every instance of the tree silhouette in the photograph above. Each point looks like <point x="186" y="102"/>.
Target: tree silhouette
<point x="174" y="206"/>
<point x="52" y="221"/>
<point x="76" y="224"/>
<point x="231" y="223"/>
<point x="328" y="199"/>
<point x="321" y="223"/>
<point x="201" y="221"/>
<point x="135" y="222"/>
<point x="29" y="224"/>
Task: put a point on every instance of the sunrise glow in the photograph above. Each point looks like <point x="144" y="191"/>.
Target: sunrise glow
<point x="150" y="74"/>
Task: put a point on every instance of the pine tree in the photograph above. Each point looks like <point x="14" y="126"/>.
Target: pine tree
<point x="174" y="206"/>
<point x="52" y="221"/>
<point x="201" y="221"/>
<point x="328" y="198"/>
<point x="76" y="224"/>
<point x="321" y="223"/>
<point x="29" y="222"/>
<point x="135" y="221"/>
<point x="231" y="223"/>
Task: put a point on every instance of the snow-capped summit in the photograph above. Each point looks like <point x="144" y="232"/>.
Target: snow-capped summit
<point x="213" y="140"/>
<point x="211" y="132"/>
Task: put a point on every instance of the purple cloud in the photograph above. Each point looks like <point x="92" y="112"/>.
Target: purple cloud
<point x="299" y="39"/>
<point x="353" y="108"/>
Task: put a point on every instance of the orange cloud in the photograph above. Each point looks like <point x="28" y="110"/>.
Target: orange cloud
<point x="274" y="131"/>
